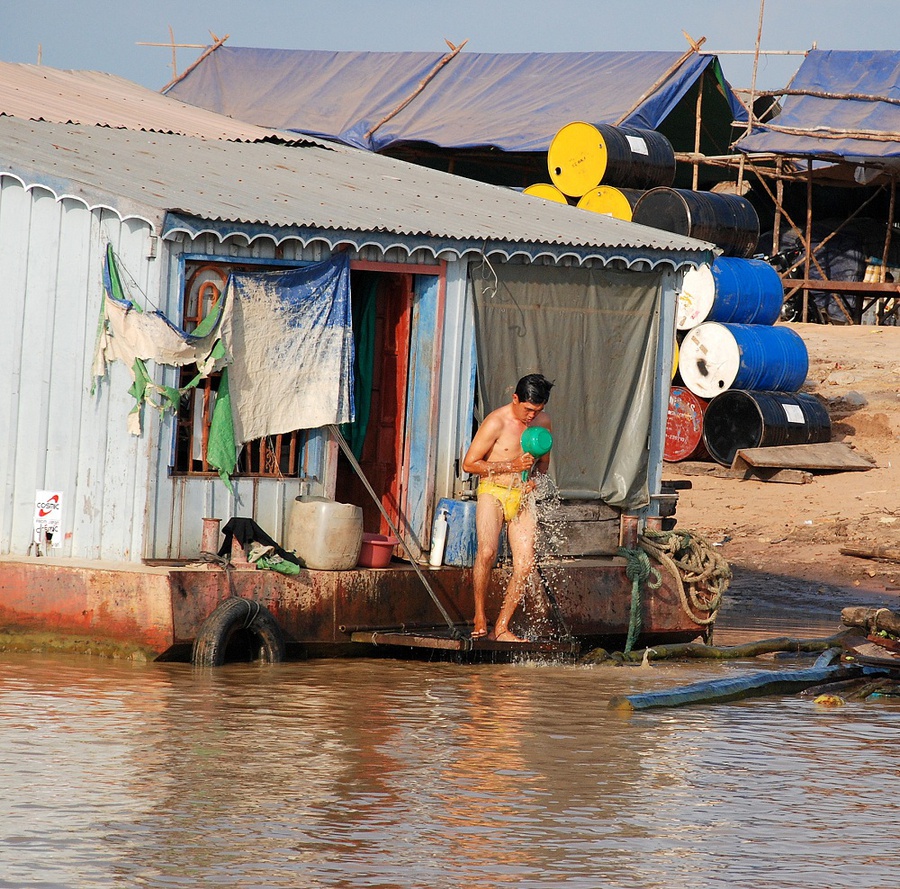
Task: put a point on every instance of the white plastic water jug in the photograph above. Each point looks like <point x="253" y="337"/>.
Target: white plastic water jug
<point x="325" y="534"/>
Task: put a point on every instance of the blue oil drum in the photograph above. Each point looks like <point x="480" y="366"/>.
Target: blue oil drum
<point x="731" y="290"/>
<point x="715" y="357"/>
<point x="462" y="541"/>
<point x="740" y="419"/>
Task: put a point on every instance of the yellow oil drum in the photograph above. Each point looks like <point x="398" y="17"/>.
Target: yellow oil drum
<point x="617" y="202"/>
<point x="546" y="191"/>
<point x="582" y="156"/>
<point x="675" y="360"/>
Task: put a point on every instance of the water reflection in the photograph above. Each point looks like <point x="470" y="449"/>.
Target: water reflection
<point x="389" y="774"/>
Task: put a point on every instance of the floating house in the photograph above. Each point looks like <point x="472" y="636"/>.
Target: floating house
<point x="111" y="217"/>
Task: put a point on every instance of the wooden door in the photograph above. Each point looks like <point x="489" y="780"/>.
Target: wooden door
<point x="384" y="442"/>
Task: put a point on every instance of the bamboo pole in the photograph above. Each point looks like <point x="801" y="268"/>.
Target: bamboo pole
<point x="794" y="227"/>
<point x="454" y="51"/>
<point x="695" y="47"/>
<point x="887" y="243"/>
<point x="779" y="200"/>
<point x="211" y="49"/>
<point x="806" y="263"/>
<point x="830" y="133"/>
<point x="697" y="131"/>
<point x="820" y="94"/>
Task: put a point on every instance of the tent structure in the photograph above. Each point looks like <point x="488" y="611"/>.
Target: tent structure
<point x="838" y="124"/>
<point x="483" y="109"/>
<point x="842" y="105"/>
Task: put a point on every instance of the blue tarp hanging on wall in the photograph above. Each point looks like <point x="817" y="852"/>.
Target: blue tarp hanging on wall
<point x="825" y="126"/>
<point x="511" y="101"/>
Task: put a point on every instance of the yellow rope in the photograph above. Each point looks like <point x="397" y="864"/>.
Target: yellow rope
<point x="701" y="575"/>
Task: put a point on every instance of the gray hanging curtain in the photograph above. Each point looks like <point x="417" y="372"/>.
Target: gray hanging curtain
<point x="594" y="333"/>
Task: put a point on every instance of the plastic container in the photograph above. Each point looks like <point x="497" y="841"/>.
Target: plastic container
<point x="438" y="539"/>
<point x="462" y="541"/>
<point x="325" y="535"/>
<point x="376" y="550"/>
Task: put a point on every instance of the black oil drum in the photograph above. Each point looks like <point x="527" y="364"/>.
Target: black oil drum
<point x="739" y="418"/>
<point x="726" y="220"/>
<point x="582" y="155"/>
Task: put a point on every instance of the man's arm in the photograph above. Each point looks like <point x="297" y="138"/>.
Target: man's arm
<point x="482" y="444"/>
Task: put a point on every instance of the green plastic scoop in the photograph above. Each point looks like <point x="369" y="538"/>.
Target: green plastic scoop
<point x="537" y="441"/>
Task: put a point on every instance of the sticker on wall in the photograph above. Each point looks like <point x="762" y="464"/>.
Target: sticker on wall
<point x="48" y="518"/>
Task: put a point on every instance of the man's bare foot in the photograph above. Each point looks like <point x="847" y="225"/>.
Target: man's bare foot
<point x="507" y="636"/>
<point x="479" y="633"/>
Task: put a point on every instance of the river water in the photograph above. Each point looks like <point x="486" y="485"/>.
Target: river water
<point x="399" y="774"/>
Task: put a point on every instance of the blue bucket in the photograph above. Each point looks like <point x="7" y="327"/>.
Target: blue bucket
<point x="715" y="357"/>
<point x="462" y="541"/>
<point x="731" y="290"/>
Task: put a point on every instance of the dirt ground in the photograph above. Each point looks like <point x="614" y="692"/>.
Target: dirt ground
<point x="783" y="541"/>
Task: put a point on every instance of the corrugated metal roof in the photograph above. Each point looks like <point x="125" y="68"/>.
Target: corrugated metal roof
<point x="273" y="186"/>
<point x="35" y="92"/>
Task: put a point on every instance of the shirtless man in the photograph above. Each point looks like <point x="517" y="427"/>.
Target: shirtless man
<point x="496" y="456"/>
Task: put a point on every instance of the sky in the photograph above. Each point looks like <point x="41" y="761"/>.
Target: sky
<point x="100" y="35"/>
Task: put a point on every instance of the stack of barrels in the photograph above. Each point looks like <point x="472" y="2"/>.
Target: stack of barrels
<point x="627" y="172"/>
<point x="739" y="374"/>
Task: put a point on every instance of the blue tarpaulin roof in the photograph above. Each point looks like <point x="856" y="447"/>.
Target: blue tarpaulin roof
<point x="861" y="121"/>
<point x="510" y="101"/>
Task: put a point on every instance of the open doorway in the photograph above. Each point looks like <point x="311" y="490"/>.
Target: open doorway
<point x="382" y="309"/>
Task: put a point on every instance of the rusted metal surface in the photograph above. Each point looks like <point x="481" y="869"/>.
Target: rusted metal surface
<point x="48" y="595"/>
<point x="164" y="607"/>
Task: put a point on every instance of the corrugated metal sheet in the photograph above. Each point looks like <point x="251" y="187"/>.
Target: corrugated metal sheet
<point x="270" y="185"/>
<point x="53" y="434"/>
<point x="35" y="92"/>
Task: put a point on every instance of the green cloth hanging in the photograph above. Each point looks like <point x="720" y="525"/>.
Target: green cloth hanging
<point x="364" y="309"/>
<point x="221" y="451"/>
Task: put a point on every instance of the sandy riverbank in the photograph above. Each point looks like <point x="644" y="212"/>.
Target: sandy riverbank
<point x="782" y="540"/>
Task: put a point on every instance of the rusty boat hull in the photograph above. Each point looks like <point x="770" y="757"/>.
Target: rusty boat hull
<point x="333" y="613"/>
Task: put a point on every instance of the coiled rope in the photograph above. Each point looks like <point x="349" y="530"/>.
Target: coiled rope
<point x="701" y="575"/>
<point x="638" y="571"/>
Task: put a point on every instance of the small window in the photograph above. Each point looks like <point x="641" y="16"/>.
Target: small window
<point x="276" y="456"/>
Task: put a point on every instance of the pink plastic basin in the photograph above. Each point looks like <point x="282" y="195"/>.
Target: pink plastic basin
<point x="376" y="550"/>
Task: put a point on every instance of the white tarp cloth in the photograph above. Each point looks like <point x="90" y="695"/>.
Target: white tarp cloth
<point x="290" y="338"/>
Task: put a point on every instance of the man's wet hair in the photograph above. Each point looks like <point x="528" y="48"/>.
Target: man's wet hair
<point x="534" y="388"/>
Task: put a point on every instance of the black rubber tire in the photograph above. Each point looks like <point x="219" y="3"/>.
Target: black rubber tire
<point x="238" y="617"/>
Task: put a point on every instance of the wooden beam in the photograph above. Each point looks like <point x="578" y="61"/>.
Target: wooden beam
<point x="831" y="455"/>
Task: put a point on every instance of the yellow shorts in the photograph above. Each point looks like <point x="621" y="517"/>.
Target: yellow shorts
<point x="509" y="497"/>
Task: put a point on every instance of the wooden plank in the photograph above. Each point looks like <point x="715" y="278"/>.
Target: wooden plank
<point x="760" y="474"/>
<point x="887" y="288"/>
<point x="445" y="643"/>
<point x="825" y="455"/>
